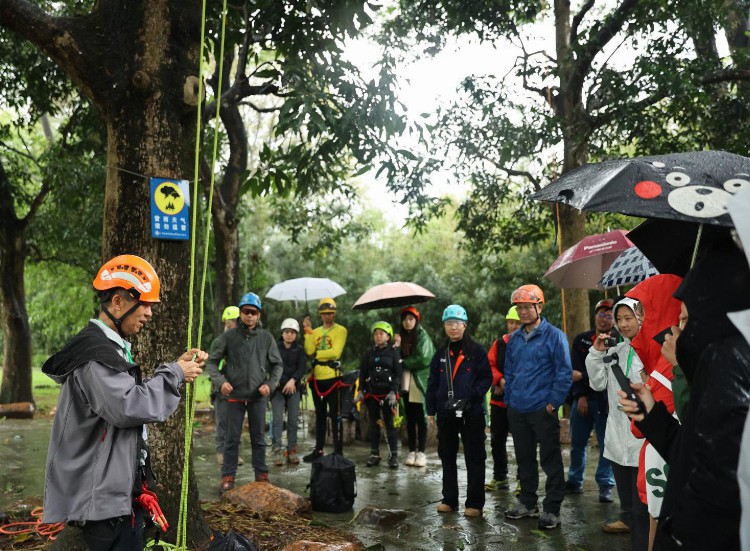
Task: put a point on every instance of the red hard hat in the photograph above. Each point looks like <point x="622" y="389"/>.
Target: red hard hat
<point x="411" y="310"/>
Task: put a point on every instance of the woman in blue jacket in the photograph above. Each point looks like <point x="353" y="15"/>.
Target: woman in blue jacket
<point x="460" y="376"/>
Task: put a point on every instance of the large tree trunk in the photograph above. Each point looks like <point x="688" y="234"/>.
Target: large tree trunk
<point x="139" y="65"/>
<point x="16" y="386"/>
<point x="569" y="107"/>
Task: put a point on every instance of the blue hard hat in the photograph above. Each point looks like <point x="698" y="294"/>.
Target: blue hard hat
<point x="250" y="299"/>
<point x="455" y="312"/>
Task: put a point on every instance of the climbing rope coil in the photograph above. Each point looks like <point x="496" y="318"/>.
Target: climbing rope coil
<point x="33" y="526"/>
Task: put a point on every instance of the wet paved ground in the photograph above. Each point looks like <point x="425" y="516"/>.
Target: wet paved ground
<point x="23" y="446"/>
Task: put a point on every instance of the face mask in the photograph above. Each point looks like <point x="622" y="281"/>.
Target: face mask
<point x="688" y="351"/>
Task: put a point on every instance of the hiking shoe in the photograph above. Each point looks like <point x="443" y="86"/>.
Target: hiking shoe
<point x="421" y="460"/>
<point x="445" y="508"/>
<point x="227" y="483"/>
<point x="520" y="511"/>
<point x="240" y="461"/>
<point x="393" y="461"/>
<point x="219" y="458"/>
<point x="312" y="456"/>
<point x="410" y="459"/>
<point x="261" y="477"/>
<point x="605" y="495"/>
<point x="278" y="457"/>
<point x="615" y="527"/>
<point x="573" y="489"/>
<point x="496" y="484"/>
<point x="373" y="461"/>
<point x="548" y="521"/>
<point x="472" y="512"/>
<point x="291" y="456"/>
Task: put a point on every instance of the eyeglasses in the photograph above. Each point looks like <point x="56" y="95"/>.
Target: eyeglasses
<point x="250" y="312"/>
<point x="525" y="307"/>
<point x="453" y="324"/>
<point x="604" y="316"/>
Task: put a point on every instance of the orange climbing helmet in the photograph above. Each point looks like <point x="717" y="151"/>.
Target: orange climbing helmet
<point x="131" y="273"/>
<point x="527" y="293"/>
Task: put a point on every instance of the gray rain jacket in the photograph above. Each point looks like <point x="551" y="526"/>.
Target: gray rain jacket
<point x="252" y="359"/>
<point x="92" y="463"/>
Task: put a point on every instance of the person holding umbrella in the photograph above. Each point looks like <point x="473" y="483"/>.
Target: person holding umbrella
<point x="417" y="351"/>
<point x="460" y="376"/>
<point x="379" y="378"/>
<point x="325" y="345"/>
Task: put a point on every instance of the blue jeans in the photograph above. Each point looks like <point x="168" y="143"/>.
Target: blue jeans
<point x="580" y="431"/>
<point x="280" y="402"/>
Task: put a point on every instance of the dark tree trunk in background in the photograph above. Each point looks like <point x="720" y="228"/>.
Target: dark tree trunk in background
<point x="16" y="385"/>
<point x="139" y="65"/>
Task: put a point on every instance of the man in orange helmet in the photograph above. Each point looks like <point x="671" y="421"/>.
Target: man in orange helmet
<point x="538" y="374"/>
<point x="98" y="470"/>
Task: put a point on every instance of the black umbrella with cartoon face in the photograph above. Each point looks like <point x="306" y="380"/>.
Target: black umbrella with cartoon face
<point x="693" y="186"/>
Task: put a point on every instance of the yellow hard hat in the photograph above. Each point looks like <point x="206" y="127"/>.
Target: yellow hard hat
<point x="230" y="313"/>
<point x="326" y="306"/>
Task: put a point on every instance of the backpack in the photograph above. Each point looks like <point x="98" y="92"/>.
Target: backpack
<point x="333" y="484"/>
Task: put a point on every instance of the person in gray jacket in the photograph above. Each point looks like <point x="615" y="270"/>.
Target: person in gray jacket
<point x="252" y="367"/>
<point x="98" y="472"/>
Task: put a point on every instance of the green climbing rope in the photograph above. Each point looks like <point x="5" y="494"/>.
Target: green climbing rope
<point x="181" y="541"/>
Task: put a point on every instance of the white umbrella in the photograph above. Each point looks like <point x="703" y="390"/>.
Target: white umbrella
<point x="305" y="288"/>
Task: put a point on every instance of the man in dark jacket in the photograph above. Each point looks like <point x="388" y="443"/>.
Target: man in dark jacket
<point x="98" y="469"/>
<point x="589" y="410"/>
<point x="460" y="376"/>
<point x="287" y="395"/>
<point x="537" y="380"/>
<point x="253" y="367"/>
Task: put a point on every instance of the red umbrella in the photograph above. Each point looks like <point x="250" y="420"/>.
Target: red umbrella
<point x="390" y="295"/>
<point x="583" y="265"/>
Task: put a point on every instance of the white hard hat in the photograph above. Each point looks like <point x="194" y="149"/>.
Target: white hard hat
<point x="290" y="323"/>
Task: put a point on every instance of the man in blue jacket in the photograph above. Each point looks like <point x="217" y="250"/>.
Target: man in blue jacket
<point x="538" y="375"/>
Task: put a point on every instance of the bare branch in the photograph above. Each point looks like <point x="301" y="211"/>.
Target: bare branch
<point x="578" y="18"/>
<point x="24" y="154"/>
<point x="600" y="36"/>
<point x="260" y="109"/>
<point x="726" y="75"/>
<point x="36" y="203"/>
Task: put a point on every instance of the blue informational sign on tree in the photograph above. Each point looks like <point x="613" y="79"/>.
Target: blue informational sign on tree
<point x="170" y="209"/>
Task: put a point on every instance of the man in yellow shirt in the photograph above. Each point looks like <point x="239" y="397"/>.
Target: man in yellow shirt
<point x="324" y="345"/>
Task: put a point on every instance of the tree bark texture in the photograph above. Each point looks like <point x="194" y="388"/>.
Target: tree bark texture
<point x="139" y="64"/>
<point x="16" y="385"/>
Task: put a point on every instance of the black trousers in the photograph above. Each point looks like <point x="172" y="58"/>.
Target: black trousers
<point x="528" y="429"/>
<point x="376" y="410"/>
<point x="327" y="407"/>
<point x="123" y="533"/>
<point x="498" y="441"/>
<point x="634" y="512"/>
<point x="471" y="431"/>
<point x="416" y="425"/>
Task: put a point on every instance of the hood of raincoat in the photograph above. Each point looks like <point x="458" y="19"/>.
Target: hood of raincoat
<point x="662" y="310"/>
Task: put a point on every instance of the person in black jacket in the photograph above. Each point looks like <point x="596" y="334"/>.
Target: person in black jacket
<point x="379" y="378"/>
<point x="701" y="507"/>
<point x="287" y="394"/>
<point x="460" y="376"/>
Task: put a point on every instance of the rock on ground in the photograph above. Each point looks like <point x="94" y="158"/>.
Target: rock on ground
<point x="267" y="498"/>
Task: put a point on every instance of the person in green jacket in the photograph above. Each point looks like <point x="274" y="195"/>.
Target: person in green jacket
<point x="417" y="351"/>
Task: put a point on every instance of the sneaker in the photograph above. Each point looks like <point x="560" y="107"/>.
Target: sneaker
<point x="278" y="457"/>
<point x="548" y="521"/>
<point x="571" y="488"/>
<point x="615" y="527"/>
<point x="219" y="458"/>
<point x="520" y="511"/>
<point x="261" y="477"/>
<point x="393" y="461"/>
<point x="240" y="461"/>
<point x="312" y="456"/>
<point x="445" y="508"/>
<point x="472" y="512"/>
<point x="410" y="459"/>
<point x="227" y="483"/>
<point x="291" y="456"/>
<point x="496" y="484"/>
<point x="373" y="461"/>
<point x="421" y="460"/>
<point x="605" y="495"/>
